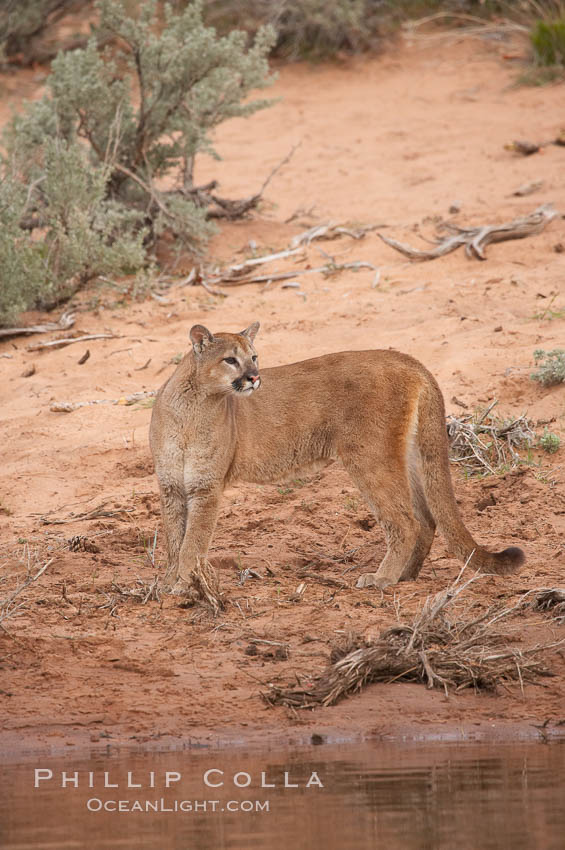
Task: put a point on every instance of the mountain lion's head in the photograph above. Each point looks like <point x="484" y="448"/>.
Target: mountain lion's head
<point x="226" y="363"/>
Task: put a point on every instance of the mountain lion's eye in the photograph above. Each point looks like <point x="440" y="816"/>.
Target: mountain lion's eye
<point x="231" y="360"/>
<point x="254" y="358"/>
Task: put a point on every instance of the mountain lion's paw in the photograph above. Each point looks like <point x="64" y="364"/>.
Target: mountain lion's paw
<point x="373" y="580"/>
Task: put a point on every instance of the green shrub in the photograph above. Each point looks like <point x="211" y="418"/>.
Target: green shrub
<point x="549" y="442"/>
<point x="23" y="23"/>
<point x="551" y="367"/>
<point x="548" y="42"/>
<point x="79" y="194"/>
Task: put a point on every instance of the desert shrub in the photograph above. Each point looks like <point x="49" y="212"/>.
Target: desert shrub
<point x="24" y="23"/>
<point x="313" y="29"/>
<point x="551" y="367"/>
<point x="79" y="176"/>
<point x="549" y="442"/>
<point x="317" y="28"/>
<point x="79" y="222"/>
<point x="548" y="42"/>
<point x="320" y="29"/>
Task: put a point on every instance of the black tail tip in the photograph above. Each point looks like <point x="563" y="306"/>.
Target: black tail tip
<point x="509" y="560"/>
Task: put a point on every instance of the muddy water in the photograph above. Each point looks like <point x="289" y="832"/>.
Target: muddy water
<point x="371" y="796"/>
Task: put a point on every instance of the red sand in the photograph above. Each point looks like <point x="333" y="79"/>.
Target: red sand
<point x="391" y="141"/>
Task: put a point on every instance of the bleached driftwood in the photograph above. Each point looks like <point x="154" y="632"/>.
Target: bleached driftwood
<point x="331" y="231"/>
<point x="475" y="239"/>
<point x="60" y="343"/>
<point x="328" y="269"/>
<point x="66" y="321"/>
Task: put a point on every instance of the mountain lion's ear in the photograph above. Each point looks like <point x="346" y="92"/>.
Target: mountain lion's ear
<point x="251" y="331"/>
<point x="200" y="337"/>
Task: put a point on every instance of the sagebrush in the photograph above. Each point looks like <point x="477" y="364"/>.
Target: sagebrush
<point x="23" y="24"/>
<point x="80" y="180"/>
<point x="549" y="442"/>
<point x="551" y="367"/>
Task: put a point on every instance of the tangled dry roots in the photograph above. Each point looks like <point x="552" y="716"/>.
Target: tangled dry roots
<point x="204" y="587"/>
<point x="432" y="650"/>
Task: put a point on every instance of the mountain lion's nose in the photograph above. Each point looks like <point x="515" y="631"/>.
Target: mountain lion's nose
<point x="253" y="378"/>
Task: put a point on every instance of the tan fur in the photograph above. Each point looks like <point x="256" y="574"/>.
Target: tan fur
<point x="380" y="412"/>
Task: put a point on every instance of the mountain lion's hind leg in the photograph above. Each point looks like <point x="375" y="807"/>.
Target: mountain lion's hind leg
<point x="425" y="537"/>
<point x="401" y="538"/>
<point x="388" y="494"/>
<point x="420" y="553"/>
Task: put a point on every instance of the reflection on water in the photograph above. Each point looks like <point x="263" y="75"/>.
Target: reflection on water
<point x="374" y="796"/>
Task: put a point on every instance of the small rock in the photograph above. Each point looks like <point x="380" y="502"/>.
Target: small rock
<point x="486" y="502"/>
<point x="367" y="523"/>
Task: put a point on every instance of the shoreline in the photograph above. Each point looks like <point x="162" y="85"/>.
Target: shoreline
<point x="79" y="745"/>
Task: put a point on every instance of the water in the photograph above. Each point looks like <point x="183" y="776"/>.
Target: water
<point x="441" y="797"/>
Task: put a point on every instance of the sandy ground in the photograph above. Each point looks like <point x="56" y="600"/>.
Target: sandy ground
<point x="390" y="141"/>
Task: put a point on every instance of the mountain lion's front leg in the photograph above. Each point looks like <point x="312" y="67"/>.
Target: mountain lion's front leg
<point x="173" y="513"/>
<point x="200" y="523"/>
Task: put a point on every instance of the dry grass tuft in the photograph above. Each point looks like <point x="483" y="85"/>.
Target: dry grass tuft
<point x="142" y="591"/>
<point x="484" y="443"/>
<point x="11" y="605"/>
<point x="432" y="650"/>
<point x="548" y="599"/>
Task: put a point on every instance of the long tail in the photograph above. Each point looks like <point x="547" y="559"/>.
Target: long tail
<point x="434" y="453"/>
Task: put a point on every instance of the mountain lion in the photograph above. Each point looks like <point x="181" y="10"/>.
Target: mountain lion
<point x="217" y="421"/>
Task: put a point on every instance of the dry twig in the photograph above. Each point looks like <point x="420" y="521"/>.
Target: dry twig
<point x="96" y="513"/>
<point x="142" y="591"/>
<point x="234" y="209"/>
<point x="8" y="606"/>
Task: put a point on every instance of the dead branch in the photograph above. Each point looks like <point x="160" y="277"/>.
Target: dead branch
<point x="66" y="321"/>
<point x="431" y="650"/>
<point x="61" y="343"/>
<point x="241" y="268"/>
<point x="331" y="231"/>
<point x="476" y="239"/>
<point x="238" y="274"/>
<point x="328" y="269"/>
<point x="234" y="209"/>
